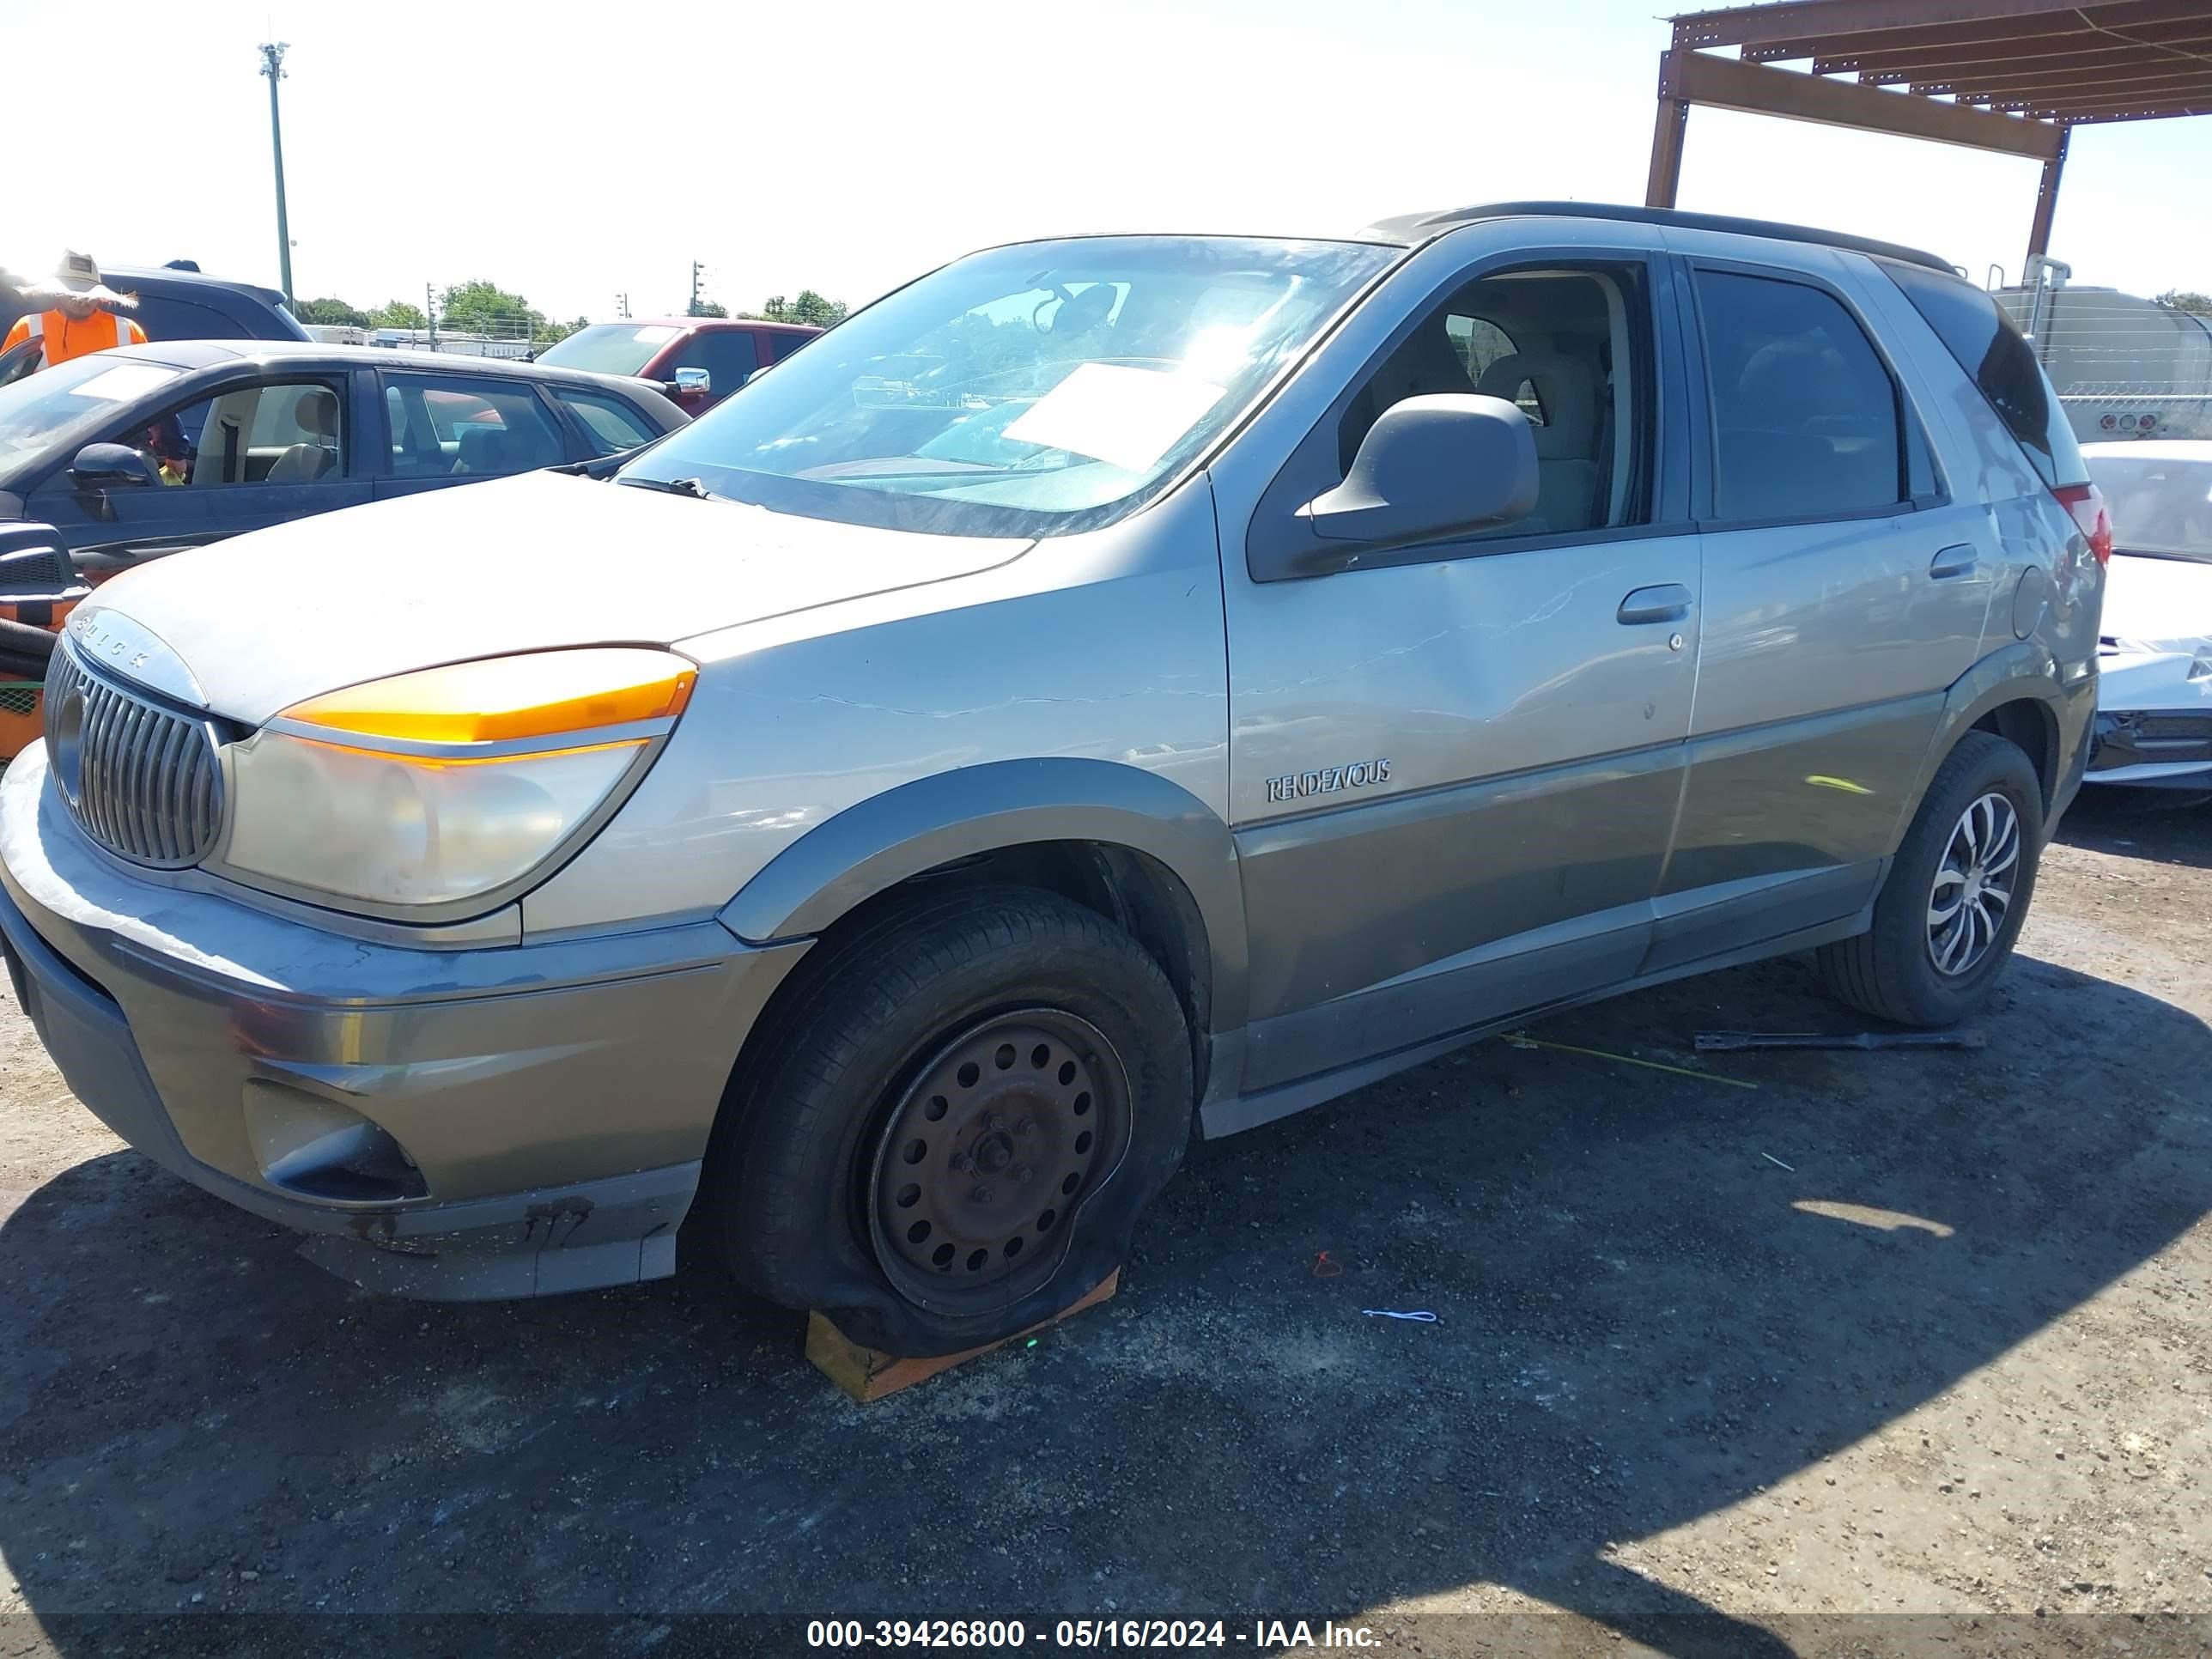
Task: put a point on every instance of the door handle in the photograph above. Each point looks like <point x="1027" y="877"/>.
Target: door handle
<point x="1954" y="562"/>
<point x="1668" y="602"/>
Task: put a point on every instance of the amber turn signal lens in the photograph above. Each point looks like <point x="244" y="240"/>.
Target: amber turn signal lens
<point x="500" y="699"/>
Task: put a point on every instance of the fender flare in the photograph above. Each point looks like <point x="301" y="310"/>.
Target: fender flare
<point x="878" y="843"/>
<point x="2023" y="669"/>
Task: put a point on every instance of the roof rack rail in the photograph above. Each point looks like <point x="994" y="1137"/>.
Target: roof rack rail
<point x="1419" y="226"/>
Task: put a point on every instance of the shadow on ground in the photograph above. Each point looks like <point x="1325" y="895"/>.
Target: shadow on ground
<point x="2166" y="825"/>
<point x="1636" y="1325"/>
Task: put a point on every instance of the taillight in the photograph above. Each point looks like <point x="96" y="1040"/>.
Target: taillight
<point x="2087" y="503"/>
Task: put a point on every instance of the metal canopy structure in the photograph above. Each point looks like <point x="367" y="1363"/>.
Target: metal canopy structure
<point x="2015" y="76"/>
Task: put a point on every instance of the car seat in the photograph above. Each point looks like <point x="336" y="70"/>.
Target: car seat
<point x="317" y="413"/>
<point x="1566" y="440"/>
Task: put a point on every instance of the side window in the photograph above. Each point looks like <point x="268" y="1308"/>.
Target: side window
<point x="1570" y="348"/>
<point x="291" y="433"/>
<point x="1805" y="415"/>
<point x="165" y="319"/>
<point x="781" y="346"/>
<point x="727" y="354"/>
<point x="612" y="423"/>
<point x="461" y="426"/>
<point x="2002" y="364"/>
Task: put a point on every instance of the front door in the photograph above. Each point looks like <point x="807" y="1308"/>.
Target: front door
<point x="1844" y="592"/>
<point x="256" y="452"/>
<point x="1454" y="774"/>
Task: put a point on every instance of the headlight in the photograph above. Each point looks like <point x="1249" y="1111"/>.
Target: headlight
<point x="429" y="789"/>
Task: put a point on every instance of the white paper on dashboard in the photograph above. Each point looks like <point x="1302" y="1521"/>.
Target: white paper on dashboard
<point x="1128" y="417"/>
<point x="124" y="381"/>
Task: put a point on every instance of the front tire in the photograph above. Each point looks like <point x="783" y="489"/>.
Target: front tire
<point x="950" y="1138"/>
<point x="1956" y="894"/>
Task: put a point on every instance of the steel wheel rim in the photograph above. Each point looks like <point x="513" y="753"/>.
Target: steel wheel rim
<point x="1971" y="896"/>
<point x="985" y="1156"/>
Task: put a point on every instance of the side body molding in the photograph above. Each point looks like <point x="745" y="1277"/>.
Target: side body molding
<point x="884" y="840"/>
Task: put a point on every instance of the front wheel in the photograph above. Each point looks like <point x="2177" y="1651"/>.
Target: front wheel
<point x="1956" y="894"/>
<point x="953" y="1134"/>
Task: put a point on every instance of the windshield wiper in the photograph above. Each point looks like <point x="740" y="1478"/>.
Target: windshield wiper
<point x="690" y="486"/>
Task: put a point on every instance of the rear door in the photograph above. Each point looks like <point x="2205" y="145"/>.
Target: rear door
<point x="1845" y="590"/>
<point x="603" y="423"/>
<point x="442" y="429"/>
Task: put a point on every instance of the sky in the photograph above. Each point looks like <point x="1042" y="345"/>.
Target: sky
<point x="571" y="154"/>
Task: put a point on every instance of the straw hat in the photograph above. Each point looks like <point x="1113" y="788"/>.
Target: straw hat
<point x="76" y="276"/>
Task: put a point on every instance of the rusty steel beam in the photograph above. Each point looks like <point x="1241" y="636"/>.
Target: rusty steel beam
<point x="2074" y="113"/>
<point x="1666" y="174"/>
<point x="2202" y="108"/>
<point x="1695" y="77"/>
<point x="2176" y="42"/>
<point x="2184" y="101"/>
<point x="2109" y="85"/>
<point x="1809" y="20"/>
<point x="1933" y="38"/>
<point x="2046" y="200"/>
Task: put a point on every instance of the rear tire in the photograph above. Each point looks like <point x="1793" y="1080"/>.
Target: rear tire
<point x="1957" y="892"/>
<point x="951" y="1139"/>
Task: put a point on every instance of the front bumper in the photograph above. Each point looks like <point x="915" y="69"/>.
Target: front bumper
<point x="448" y="1123"/>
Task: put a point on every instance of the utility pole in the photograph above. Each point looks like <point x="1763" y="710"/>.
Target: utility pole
<point x="272" y="65"/>
<point x="621" y="305"/>
<point x="430" y="316"/>
<point x="697" y="271"/>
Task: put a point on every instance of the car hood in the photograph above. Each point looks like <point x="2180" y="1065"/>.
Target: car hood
<point x="262" y="620"/>
<point x="2166" y="603"/>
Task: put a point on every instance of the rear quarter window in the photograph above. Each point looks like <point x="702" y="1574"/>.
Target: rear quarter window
<point x="1998" y="359"/>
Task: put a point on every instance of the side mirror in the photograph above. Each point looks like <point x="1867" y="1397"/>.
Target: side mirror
<point x="1429" y="466"/>
<point x="694" y="382"/>
<point x="108" y="466"/>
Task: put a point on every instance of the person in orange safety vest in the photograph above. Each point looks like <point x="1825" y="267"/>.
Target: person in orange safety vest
<point x="77" y="314"/>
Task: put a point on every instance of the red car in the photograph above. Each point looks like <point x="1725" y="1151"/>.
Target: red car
<point x="697" y="360"/>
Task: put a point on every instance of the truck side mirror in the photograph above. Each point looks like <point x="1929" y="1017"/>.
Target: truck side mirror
<point x="694" y="382"/>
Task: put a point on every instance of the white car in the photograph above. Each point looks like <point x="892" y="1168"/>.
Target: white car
<point x="2154" y="701"/>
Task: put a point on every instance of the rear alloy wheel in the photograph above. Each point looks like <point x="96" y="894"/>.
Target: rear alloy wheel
<point x="1972" y="891"/>
<point x="958" y="1111"/>
<point x="1956" y="893"/>
<point x="998" y="1140"/>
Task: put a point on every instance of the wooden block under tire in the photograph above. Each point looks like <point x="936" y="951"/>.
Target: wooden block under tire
<point x="869" y="1374"/>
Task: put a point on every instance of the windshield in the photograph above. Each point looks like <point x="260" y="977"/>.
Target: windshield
<point x="610" y="348"/>
<point x="35" y="408"/>
<point x="1029" y="390"/>
<point x="2160" y="504"/>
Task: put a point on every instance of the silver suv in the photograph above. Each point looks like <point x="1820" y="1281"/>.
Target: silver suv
<point x="1108" y="689"/>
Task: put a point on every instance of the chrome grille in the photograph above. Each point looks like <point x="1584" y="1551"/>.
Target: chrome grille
<point x="142" y="779"/>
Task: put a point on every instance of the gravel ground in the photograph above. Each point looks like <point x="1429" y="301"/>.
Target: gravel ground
<point x="1714" y="1368"/>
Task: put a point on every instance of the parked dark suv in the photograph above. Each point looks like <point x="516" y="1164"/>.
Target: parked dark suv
<point x="177" y="303"/>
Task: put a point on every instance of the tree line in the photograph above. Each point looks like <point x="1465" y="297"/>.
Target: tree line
<point x="484" y="307"/>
